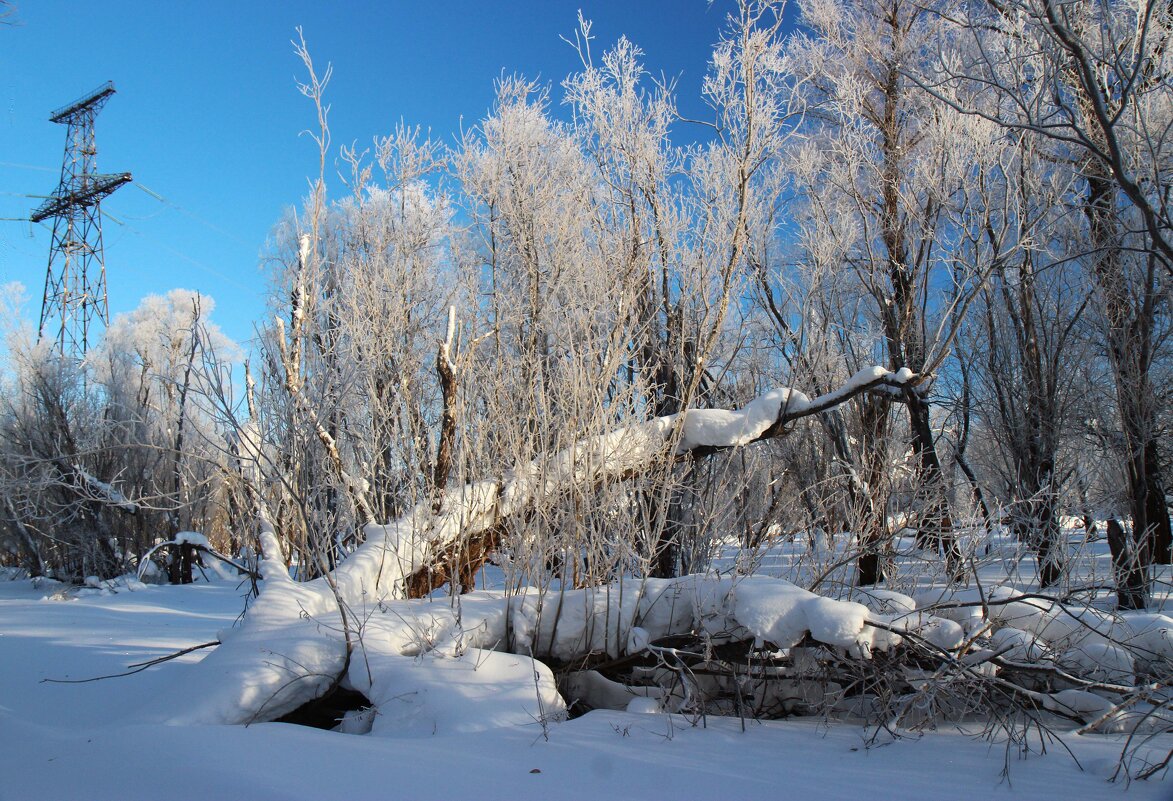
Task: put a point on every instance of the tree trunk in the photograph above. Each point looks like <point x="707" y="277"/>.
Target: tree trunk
<point x="1130" y="351"/>
<point x="935" y="527"/>
<point x="1132" y="585"/>
<point x="870" y="512"/>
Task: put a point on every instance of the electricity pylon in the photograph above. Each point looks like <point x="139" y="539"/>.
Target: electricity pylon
<point x="75" y="283"/>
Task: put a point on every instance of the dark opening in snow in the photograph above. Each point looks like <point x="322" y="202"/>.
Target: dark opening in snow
<point x="327" y="712"/>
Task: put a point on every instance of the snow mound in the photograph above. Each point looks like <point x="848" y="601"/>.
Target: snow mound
<point x="437" y="694"/>
<point x="1016" y="645"/>
<point x="595" y="691"/>
<point x="266" y="668"/>
<point x="289" y="650"/>
<point x="644" y="706"/>
<point x="1099" y="662"/>
<point x="939" y="631"/>
<point x="1149" y="637"/>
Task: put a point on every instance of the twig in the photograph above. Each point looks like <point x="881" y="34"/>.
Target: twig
<point x="139" y="667"/>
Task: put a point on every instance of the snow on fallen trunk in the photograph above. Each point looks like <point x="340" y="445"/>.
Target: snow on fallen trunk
<point x="394" y="552"/>
<point x="291" y="647"/>
<point x="627" y="617"/>
<point x="1086" y="642"/>
<point x="431" y="665"/>
<point x="562" y="625"/>
<point x="427" y="670"/>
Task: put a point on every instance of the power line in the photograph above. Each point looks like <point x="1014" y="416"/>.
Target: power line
<point x="188" y="213"/>
<point x="189" y="259"/>
<point x="26" y="166"/>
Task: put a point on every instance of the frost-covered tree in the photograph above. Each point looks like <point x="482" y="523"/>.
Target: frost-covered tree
<point x="884" y="172"/>
<point x="346" y="399"/>
<point x="1089" y="80"/>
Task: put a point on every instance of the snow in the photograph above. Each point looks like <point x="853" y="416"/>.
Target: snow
<point x="1149" y="637"/>
<point x="439" y="670"/>
<point x="838" y="623"/>
<point x="638" y="640"/>
<point x="628" y="616"/>
<point x="617" y="619"/>
<point x="780" y="613"/>
<point x="1086" y="642"/>
<point x="722" y="428"/>
<point x="598" y="692"/>
<point x="938" y="631"/>
<point x="1017" y="645"/>
<point x="773" y="610"/>
<point x="643" y="706"/>
<point x="477" y="690"/>
<point x="1099" y="662"/>
<point x="292" y="647"/>
<point x="92" y="740"/>
<point x="105" y="491"/>
<point x="192" y="538"/>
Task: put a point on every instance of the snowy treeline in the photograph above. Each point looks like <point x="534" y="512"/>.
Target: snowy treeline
<point x="103" y="459"/>
<point x="523" y="349"/>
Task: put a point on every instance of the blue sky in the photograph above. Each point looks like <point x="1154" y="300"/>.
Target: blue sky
<point x="208" y="117"/>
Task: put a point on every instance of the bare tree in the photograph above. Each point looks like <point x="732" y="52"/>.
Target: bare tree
<point x="1029" y="313"/>
<point x="1090" y="79"/>
<point x="885" y="172"/>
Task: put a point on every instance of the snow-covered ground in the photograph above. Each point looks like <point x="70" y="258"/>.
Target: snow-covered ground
<point x="92" y="740"/>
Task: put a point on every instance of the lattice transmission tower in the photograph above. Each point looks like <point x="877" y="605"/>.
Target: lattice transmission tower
<point x="75" y="283"/>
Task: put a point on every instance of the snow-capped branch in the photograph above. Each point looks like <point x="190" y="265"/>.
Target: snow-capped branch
<point x="745" y="426"/>
<point x="103" y="491"/>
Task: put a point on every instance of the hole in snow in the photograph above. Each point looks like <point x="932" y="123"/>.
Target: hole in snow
<point x="329" y="710"/>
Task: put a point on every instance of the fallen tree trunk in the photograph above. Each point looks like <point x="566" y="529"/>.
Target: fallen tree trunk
<point x="464" y="525"/>
<point x="297" y="638"/>
<point x="752" y="646"/>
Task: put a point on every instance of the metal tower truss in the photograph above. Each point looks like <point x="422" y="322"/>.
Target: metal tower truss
<point x="75" y="283"/>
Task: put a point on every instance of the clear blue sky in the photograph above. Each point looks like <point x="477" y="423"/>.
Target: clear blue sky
<point x="207" y="114"/>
